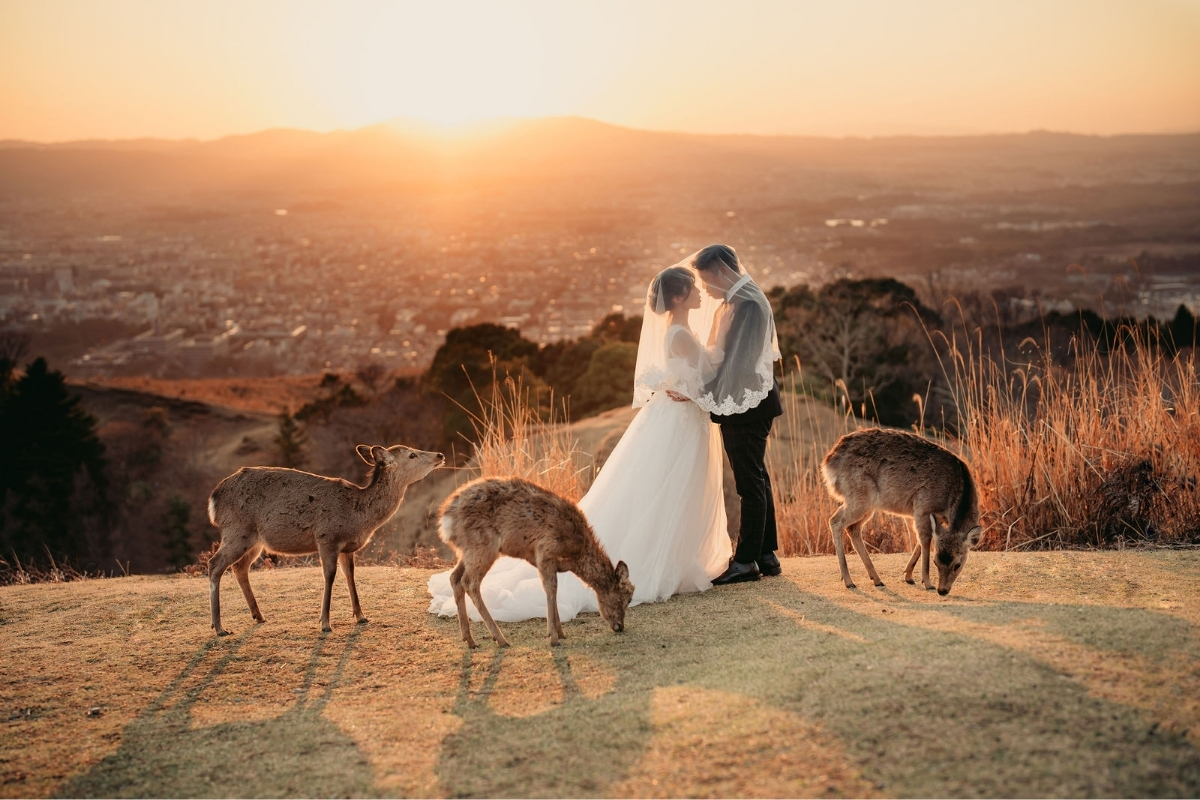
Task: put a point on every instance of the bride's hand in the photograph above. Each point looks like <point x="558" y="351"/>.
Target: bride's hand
<point x="677" y="397"/>
<point x="720" y="326"/>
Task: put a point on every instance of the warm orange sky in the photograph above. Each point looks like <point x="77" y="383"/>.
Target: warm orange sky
<point x="73" y="69"/>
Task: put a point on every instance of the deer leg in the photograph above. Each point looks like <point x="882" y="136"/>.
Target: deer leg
<point x="549" y="573"/>
<point x="856" y="535"/>
<point x="925" y="531"/>
<point x="477" y="597"/>
<point x="347" y="562"/>
<point x="912" y="562"/>
<point x="241" y="571"/>
<point x="231" y="549"/>
<point x="842" y="520"/>
<point x="476" y="564"/>
<point x="329" y="562"/>
<point x="460" y="600"/>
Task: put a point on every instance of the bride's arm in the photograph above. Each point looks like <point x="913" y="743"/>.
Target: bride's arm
<point x="703" y="361"/>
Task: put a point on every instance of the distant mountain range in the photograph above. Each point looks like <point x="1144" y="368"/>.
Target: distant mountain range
<point x="399" y="154"/>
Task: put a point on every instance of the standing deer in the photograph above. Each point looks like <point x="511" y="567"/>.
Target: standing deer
<point x="902" y="473"/>
<point x="491" y="517"/>
<point x="290" y="512"/>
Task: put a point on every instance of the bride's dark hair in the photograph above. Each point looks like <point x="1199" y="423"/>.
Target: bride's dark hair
<point x="668" y="286"/>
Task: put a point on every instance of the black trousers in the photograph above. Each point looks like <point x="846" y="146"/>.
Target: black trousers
<point x="746" y="445"/>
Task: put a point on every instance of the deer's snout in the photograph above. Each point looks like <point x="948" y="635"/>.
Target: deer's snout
<point x="943" y="592"/>
<point x="618" y="627"/>
<point x="441" y="459"/>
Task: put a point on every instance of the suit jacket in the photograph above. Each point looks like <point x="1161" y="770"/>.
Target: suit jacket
<point x="748" y="326"/>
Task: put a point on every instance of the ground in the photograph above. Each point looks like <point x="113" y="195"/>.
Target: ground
<point x="1056" y="674"/>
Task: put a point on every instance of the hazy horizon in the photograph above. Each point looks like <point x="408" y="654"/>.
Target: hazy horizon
<point x="492" y="124"/>
<point x="136" y="69"/>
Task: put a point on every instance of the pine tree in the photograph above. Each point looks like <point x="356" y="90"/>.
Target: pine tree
<point x="176" y="536"/>
<point x="290" y="440"/>
<point x="49" y="454"/>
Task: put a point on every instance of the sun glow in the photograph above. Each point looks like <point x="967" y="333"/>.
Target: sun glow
<point x="130" y="68"/>
<point x="424" y="63"/>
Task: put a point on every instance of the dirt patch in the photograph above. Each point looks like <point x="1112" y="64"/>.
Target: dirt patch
<point x="1059" y="674"/>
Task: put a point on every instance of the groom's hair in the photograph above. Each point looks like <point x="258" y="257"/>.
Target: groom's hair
<point x="709" y="257"/>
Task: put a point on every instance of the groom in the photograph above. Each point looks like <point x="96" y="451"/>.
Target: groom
<point x="744" y="432"/>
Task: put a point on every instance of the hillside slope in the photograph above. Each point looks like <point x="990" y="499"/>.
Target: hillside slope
<point x="1056" y="674"/>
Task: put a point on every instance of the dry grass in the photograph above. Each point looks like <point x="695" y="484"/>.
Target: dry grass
<point x="1101" y="454"/>
<point x="1086" y="685"/>
<point x="14" y="571"/>
<point x="516" y="436"/>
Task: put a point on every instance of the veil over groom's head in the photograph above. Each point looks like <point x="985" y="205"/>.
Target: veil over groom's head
<point x="708" y="259"/>
<point x="718" y="267"/>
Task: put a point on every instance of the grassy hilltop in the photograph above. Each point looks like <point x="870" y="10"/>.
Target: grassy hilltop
<point x="1053" y="674"/>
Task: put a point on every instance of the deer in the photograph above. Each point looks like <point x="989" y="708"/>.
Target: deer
<point x="291" y="512"/>
<point x="490" y="517"/>
<point x="904" y="474"/>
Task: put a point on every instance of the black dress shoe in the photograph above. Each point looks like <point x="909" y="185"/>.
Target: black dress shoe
<point x="768" y="564"/>
<point x="738" y="573"/>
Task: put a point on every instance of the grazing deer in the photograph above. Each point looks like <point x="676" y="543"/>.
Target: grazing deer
<point x="491" y="517"/>
<point x="902" y="473"/>
<point x="290" y="512"/>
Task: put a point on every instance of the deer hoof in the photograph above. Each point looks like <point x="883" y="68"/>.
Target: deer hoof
<point x="909" y="581"/>
<point x="363" y="621"/>
<point x="879" y="583"/>
<point x="326" y="629"/>
<point x="850" y="585"/>
<point x="222" y="632"/>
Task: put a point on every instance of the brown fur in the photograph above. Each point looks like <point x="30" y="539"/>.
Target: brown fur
<point x="491" y="517"/>
<point x="902" y="473"/>
<point x="290" y="512"/>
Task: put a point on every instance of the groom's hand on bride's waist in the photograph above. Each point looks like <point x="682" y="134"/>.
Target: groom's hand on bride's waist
<point x="677" y="397"/>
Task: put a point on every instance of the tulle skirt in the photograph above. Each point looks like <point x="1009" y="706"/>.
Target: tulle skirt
<point x="657" y="505"/>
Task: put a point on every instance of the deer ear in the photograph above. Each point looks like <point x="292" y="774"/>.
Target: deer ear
<point x="364" y="452"/>
<point x="973" y="536"/>
<point x="622" y="571"/>
<point x="380" y="454"/>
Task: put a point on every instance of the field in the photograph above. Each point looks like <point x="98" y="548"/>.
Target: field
<point x="1042" y="674"/>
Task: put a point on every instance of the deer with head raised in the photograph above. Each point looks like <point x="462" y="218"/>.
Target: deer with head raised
<point x="290" y="512"/>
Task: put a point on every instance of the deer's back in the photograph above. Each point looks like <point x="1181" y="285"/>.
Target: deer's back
<point x="287" y="508"/>
<point x="893" y="470"/>
<point x="518" y="517"/>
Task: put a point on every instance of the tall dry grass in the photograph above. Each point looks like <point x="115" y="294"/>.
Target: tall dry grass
<point x="519" y="436"/>
<point x="1102" y="453"/>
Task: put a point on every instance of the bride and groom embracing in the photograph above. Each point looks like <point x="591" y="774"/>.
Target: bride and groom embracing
<point x="704" y="379"/>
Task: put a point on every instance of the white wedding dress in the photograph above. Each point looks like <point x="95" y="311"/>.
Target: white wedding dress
<point x="657" y="505"/>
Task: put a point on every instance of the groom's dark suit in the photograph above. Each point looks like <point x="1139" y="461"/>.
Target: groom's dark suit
<point x="745" y="438"/>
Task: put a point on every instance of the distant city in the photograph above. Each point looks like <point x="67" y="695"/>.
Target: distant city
<point x="304" y="281"/>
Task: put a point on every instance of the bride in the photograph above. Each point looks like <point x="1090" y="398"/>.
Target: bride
<point x="657" y="503"/>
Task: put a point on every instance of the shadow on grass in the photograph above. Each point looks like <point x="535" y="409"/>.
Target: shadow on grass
<point x="994" y="698"/>
<point x="945" y="700"/>
<point x="556" y="753"/>
<point x="298" y="753"/>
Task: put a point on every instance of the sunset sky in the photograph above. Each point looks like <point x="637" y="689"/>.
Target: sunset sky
<point x="131" y="68"/>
